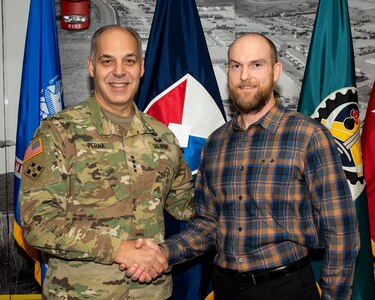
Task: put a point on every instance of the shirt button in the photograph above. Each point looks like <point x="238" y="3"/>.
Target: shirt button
<point x="242" y="168"/>
<point x="239" y="228"/>
<point x="240" y="197"/>
<point x="240" y="260"/>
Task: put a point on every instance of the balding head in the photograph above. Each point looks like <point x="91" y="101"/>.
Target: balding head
<point x="254" y="39"/>
<point x="103" y="29"/>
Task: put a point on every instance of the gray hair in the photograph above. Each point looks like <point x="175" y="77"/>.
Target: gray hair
<point x="98" y="32"/>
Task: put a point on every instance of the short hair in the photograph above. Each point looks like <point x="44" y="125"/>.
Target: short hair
<point x="97" y="34"/>
<point x="274" y="58"/>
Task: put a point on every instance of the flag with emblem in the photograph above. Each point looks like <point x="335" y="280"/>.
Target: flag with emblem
<point x="329" y="95"/>
<point x="179" y="88"/>
<point x="40" y="96"/>
<point x="368" y="154"/>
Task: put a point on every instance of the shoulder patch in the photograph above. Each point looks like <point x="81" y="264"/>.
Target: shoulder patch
<point x="34" y="170"/>
<point x="34" y="149"/>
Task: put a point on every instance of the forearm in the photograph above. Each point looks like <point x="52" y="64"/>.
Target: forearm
<point x="338" y="225"/>
<point x="338" y="267"/>
<point x="200" y="233"/>
<point x="49" y="228"/>
<point x="189" y="244"/>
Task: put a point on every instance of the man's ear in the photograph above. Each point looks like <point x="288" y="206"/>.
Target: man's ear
<point x="142" y="67"/>
<point x="277" y="70"/>
<point x="90" y="67"/>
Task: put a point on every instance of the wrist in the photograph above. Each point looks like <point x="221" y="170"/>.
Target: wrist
<point x="123" y="251"/>
<point x="164" y="251"/>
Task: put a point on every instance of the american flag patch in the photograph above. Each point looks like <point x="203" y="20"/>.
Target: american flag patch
<point x="33" y="149"/>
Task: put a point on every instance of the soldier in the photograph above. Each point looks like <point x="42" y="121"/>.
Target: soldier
<point x="97" y="176"/>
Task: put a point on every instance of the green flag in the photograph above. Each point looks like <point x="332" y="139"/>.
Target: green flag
<point x="329" y="95"/>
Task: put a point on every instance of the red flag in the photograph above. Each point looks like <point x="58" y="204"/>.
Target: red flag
<point x="368" y="153"/>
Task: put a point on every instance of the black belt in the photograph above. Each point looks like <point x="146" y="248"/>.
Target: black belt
<point x="263" y="276"/>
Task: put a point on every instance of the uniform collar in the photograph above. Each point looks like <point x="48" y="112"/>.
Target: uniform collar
<point x="104" y="126"/>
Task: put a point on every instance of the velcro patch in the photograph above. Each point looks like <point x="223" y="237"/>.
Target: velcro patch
<point x="160" y="146"/>
<point x="96" y="145"/>
<point x="34" y="149"/>
<point x="34" y="170"/>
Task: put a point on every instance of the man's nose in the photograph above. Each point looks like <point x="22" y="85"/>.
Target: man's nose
<point x="120" y="69"/>
<point x="245" y="73"/>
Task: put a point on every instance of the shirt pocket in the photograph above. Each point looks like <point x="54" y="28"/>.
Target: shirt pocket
<point x="97" y="173"/>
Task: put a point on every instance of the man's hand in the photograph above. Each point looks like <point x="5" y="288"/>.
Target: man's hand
<point x="136" y="272"/>
<point x="144" y="258"/>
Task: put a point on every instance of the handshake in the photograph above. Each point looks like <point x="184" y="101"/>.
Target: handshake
<point x="142" y="260"/>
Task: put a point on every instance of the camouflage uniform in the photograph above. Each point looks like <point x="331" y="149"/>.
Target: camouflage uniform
<point x="87" y="184"/>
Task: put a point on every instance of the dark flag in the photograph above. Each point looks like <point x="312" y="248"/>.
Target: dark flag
<point x="179" y="88"/>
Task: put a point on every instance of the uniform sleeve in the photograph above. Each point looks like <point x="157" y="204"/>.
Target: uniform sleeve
<point x="180" y="196"/>
<point x="45" y="188"/>
<point x="200" y="233"/>
<point x="338" y="225"/>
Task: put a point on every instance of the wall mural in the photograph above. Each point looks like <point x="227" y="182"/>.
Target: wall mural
<point x="288" y="23"/>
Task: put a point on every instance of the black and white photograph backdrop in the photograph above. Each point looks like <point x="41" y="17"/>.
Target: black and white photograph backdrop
<point x="288" y="23"/>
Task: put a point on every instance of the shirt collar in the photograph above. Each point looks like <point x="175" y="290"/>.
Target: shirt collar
<point x="270" y="121"/>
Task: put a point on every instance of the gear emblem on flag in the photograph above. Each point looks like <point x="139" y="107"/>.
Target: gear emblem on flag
<point x="340" y="114"/>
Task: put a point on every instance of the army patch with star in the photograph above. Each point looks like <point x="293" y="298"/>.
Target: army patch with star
<point x="34" y="170"/>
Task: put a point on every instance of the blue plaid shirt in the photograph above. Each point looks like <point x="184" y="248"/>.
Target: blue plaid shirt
<point x="267" y="194"/>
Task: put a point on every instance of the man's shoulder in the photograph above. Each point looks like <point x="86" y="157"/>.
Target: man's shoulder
<point x="223" y="129"/>
<point x="219" y="136"/>
<point x="295" y="116"/>
<point x="153" y="122"/>
<point x="70" y="114"/>
<point x="305" y="125"/>
<point x="156" y="125"/>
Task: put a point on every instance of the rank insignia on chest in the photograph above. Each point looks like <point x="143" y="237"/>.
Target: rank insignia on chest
<point x="33" y="171"/>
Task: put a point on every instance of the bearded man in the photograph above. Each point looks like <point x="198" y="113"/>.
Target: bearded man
<point x="270" y="187"/>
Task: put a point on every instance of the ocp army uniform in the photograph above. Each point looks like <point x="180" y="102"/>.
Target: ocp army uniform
<point x="87" y="184"/>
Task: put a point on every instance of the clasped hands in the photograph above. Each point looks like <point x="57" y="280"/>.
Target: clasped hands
<point x="142" y="260"/>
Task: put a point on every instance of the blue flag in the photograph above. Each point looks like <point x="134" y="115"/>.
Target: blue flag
<point x="329" y="95"/>
<point x="40" y="96"/>
<point x="179" y="89"/>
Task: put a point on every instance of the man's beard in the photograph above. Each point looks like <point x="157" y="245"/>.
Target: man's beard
<point x="253" y="105"/>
